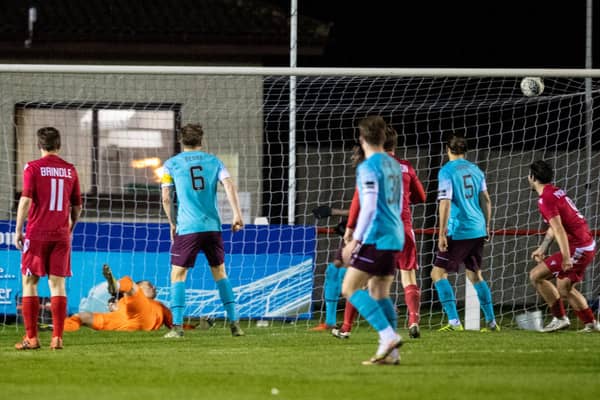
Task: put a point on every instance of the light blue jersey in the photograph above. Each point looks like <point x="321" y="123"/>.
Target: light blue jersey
<point x="461" y="181"/>
<point x="195" y="175"/>
<point x="382" y="174"/>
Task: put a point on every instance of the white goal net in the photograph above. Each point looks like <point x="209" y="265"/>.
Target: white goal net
<point x="119" y="125"/>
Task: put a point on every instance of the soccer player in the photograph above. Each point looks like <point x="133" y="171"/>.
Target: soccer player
<point x="194" y="175"/>
<point x="413" y="193"/>
<point x="465" y="212"/>
<point x="571" y="232"/>
<point x="377" y="239"/>
<point x="136" y="310"/>
<point x="334" y="273"/>
<point x="51" y="203"/>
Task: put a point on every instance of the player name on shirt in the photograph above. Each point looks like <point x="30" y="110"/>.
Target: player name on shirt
<point x="56" y="171"/>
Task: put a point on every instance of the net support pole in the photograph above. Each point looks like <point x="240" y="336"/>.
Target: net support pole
<point x="292" y="117"/>
<point x="472" y="315"/>
<point x="589" y="118"/>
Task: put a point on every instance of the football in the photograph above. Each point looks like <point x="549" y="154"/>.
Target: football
<point x="532" y="86"/>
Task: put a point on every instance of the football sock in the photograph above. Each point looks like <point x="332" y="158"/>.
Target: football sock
<point x="412" y="297"/>
<point x="58" y="307"/>
<point x="369" y="309"/>
<point x="332" y="289"/>
<point x="389" y="311"/>
<point x="558" y="309"/>
<point x="485" y="300"/>
<point x="228" y="299"/>
<point x="31" y="311"/>
<point x="446" y="295"/>
<point x="586" y="316"/>
<point x="177" y="302"/>
<point x="350" y="313"/>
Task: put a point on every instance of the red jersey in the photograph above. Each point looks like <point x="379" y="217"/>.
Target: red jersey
<point x="53" y="186"/>
<point x="413" y="193"/>
<point x="554" y="201"/>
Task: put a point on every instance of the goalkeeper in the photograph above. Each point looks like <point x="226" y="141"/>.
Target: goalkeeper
<point x="132" y="306"/>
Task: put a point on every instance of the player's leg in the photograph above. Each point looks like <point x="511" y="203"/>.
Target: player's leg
<point x="332" y="290"/>
<point x="30" y="304"/>
<point x="539" y="277"/>
<point x="407" y="263"/>
<point x="379" y="290"/>
<point x="368" y="262"/>
<point x="350" y="314"/>
<point x="439" y="276"/>
<point x="445" y="262"/>
<point x="58" y="307"/>
<point x="473" y="262"/>
<point x="578" y="303"/>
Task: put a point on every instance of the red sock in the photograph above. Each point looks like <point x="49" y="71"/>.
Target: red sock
<point x="412" y="297"/>
<point x="58" y="306"/>
<point x="350" y="314"/>
<point x="558" y="309"/>
<point x="31" y="312"/>
<point x="586" y="316"/>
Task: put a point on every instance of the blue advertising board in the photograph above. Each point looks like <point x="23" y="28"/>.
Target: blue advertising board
<point x="270" y="267"/>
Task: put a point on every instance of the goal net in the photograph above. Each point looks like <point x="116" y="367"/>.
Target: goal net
<point x="119" y="125"/>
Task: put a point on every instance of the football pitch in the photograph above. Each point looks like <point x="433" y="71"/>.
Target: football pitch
<point x="290" y="362"/>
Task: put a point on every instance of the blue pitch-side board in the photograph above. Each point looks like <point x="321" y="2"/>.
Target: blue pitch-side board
<point x="270" y="267"/>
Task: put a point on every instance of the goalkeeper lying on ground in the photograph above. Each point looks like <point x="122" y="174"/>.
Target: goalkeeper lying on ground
<point x="135" y="309"/>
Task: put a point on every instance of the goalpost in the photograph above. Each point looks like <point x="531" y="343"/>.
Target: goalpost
<point x="119" y="122"/>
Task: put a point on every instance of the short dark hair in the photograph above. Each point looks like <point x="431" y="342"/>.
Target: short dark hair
<point x="372" y="129"/>
<point x="48" y="138"/>
<point x="391" y="139"/>
<point x="457" y="144"/>
<point x="191" y="135"/>
<point x="541" y="171"/>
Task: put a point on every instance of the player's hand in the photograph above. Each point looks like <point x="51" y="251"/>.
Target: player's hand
<point x="237" y="224"/>
<point x="348" y="235"/>
<point x="537" y="255"/>
<point x="18" y="241"/>
<point x="567" y="264"/>
<point x="340" y="228"/>
<point x="443" y="243"/>
<point x="173" y="231"/>
<point x="349" y="250"/>
<point x="322" y="212"/>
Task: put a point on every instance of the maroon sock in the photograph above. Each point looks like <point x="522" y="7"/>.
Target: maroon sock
<point x="58" y="306"/>
<point x="350" y="314"/>
<point x="412" y="297"/>
<point x="31" y="312"/>
<point x="558" y="309"/>
<point x="586" y="316"/>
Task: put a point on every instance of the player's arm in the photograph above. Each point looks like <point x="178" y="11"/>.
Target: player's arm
<point x="444" y="216"/>
<point x="560" y="235"/>
<point x="352" y="217"/>
<point x="234" y="202"/>
<point x="538" y="254"/>
<point x="368" y="207"/>
<point x="76" y="203"/>
<point x="22" y="212"/>
<point x="417" y="192"/>
<point x="75" y="214"/>
<point x="486" y="206"/>
<point x="168" y="204"/>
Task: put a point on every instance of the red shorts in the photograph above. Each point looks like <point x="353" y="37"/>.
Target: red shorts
<point x="41" y="258"/>
<point x="581" y="257"/>
<point x="407" y="258"/>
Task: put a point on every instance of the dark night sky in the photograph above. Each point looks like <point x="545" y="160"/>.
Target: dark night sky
<point x="517" y="34"/>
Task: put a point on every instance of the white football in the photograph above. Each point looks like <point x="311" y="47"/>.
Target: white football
<point x="532" y="86"/>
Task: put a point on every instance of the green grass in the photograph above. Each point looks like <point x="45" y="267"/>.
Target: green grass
<point x="213" y="365"/>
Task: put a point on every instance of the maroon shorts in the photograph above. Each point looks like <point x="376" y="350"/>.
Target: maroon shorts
<point x="581" y="257"/>
<point x="375" y="262"/>
<point x="186" y="247"/>
<point x="407" y="258"/>
<point x="467" y="251"/>
<point x="41" y="258"/>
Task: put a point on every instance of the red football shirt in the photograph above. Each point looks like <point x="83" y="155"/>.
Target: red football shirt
<point x="413" y="193"/>
<point x="53" y="186"/>
<point x="554" y="201"/>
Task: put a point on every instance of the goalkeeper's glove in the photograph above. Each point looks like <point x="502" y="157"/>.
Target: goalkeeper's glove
<point x="322" y="212"/>
<point x="340" y="228"/>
